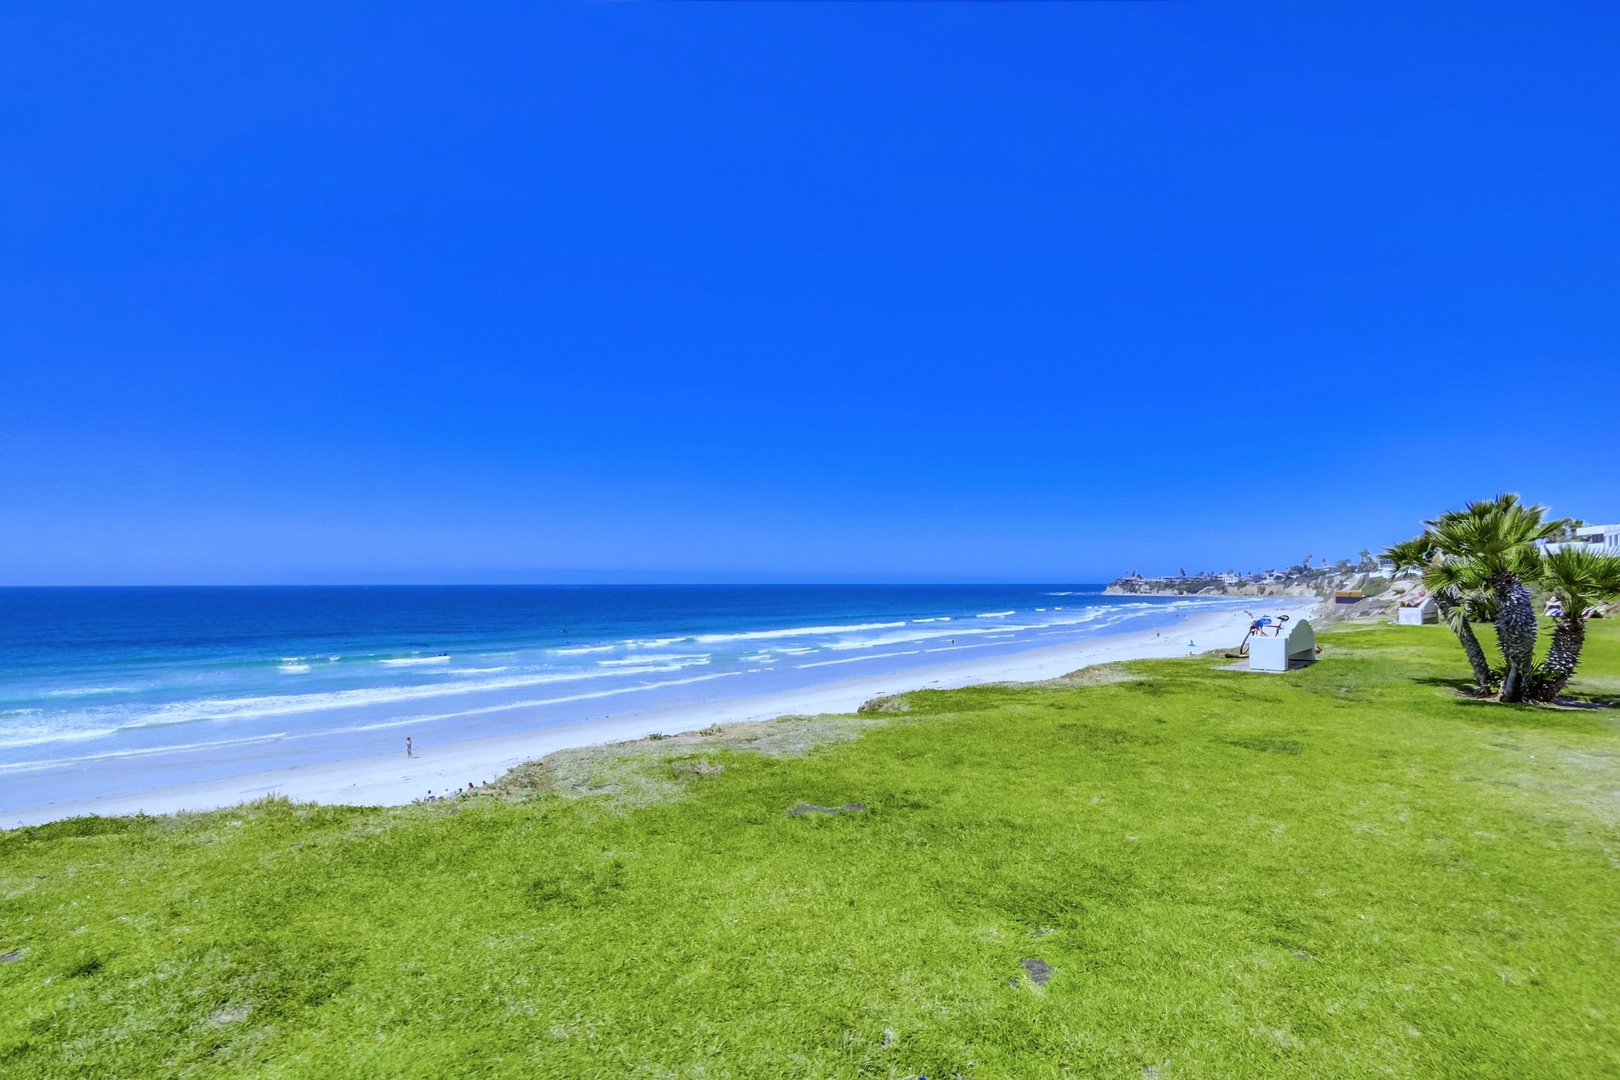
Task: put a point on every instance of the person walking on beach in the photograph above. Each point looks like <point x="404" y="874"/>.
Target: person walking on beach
<point x="408" y="746"/>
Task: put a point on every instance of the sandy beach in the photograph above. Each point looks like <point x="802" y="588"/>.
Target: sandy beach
<point x="394" y="779"/>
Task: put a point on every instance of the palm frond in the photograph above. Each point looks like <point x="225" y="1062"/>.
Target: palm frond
<point x="1481" y="607"/>
<point x="1413" y="554"/>
<point x="1580" y="578"/>
<point x="1500" y="534"/>
<point x="1456" y="576"/>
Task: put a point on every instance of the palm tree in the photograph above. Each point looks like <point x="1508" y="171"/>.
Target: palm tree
<point x="1581" y="580"/>
<point x="1423" y="554"/>
<point x="1494" y="544"/>
<point x="1466" y="600"/>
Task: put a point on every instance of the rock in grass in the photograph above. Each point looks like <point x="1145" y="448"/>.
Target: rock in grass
<point x="1039" y="970"/>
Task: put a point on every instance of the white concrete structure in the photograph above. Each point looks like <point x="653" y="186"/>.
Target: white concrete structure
<point x="1424" y="612"/>
<point x="1295" y="646"/>
<point x="1598" y="539"/>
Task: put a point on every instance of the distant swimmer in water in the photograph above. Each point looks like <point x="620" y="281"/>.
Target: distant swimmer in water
<point x="408" y="746"/>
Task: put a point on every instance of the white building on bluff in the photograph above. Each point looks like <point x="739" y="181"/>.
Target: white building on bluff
<point x="1598" y="539"/>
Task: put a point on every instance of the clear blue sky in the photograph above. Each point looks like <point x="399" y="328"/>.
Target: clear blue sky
<point x="986" y="291"/>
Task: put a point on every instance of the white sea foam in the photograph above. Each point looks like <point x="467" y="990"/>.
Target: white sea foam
<point x="141" y="751"/>
<point x="19" y="766"/>
<point x="533" y="704"/>
<point x="1089" y="615"/>
<point x="795" y="631"/>
<point x="581" y="650"/>
<point x="958" y="648"/>
<point x="997" y="614"/>
<point x="410" y="661"/>
<point x="929" y="634"/>
<point x="856" y="659"/>
<point x="655" y="643"/>
<point x="17" y="735"/>
<point x="88" y="691"/>
<point x="253" y="708"/>
<point x="651" y="658"/>
<point x="293" y="669"/>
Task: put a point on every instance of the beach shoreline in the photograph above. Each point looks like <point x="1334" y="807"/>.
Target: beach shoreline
<point x="394" y="779"/>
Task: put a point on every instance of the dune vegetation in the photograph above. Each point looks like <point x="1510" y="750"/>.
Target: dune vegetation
<point x="1161" y="870"/>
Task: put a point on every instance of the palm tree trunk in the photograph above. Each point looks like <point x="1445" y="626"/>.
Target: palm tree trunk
<point x="1516" y="630"/>
<point x="1476" y="655"/>
<point x="1465" y="633"/>
<point x="1569" y="634"/>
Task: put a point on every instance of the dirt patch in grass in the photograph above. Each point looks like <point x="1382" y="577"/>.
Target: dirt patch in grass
<point x="1269" y="746"/>
<point x="1040" y="972"/>
<point x="698" y="767"/>
<point x="811" y="808"/>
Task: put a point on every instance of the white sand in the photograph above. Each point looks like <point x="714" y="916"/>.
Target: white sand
<point x="394" y="780"/>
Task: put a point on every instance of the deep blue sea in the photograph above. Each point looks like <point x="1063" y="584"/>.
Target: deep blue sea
<point x="101" y="688"/>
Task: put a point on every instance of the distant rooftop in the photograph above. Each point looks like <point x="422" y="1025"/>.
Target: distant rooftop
<point x="1602" y="538"/>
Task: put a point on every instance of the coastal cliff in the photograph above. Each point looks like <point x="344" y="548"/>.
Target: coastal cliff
<point x="1344" y="589"/>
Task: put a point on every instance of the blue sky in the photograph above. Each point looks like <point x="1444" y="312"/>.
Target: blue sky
<point x="989" y="291"/>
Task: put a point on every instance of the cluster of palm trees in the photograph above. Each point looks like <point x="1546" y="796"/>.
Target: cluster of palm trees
<point x="1479" y="564"/>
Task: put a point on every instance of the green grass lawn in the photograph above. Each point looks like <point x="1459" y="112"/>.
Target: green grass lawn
<point x="1345" y="871"/>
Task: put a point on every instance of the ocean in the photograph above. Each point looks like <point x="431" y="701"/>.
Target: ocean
<point x="104" y="690"/>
